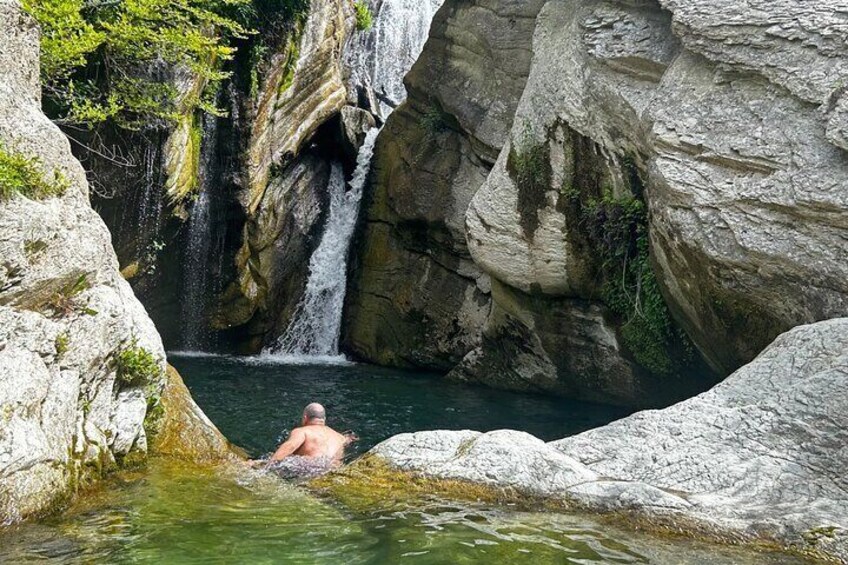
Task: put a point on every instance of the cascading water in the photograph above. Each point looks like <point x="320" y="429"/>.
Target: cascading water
<point x="380" y="58"/>
<point x="199" y="247"/>
<point x="316" y="324"/>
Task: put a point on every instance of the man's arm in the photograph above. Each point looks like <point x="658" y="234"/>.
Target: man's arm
<point x="291" y="445"/>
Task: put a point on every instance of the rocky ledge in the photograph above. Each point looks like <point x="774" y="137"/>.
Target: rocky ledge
<point x="755" y="459"/>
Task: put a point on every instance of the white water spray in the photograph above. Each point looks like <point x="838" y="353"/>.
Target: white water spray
<point x="316" y="323"/>
<point x="379" y="58"/>
<point x="198" y="252"/>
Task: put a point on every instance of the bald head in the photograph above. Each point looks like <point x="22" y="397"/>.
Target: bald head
<point x="314" y="412"/>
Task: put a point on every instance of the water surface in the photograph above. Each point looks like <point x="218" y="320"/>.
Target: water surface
<point x="172" y="513"/>
<point x="256" y="404"/>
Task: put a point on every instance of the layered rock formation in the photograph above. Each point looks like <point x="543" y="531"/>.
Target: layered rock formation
<point x="710" y="134"/>
<point x="416" y="298"/>
<point x="327" y="88"/>
<point x="755" y="458"/>
<point x="81" y="364"/>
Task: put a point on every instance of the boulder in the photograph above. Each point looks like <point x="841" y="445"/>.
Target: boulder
<point x="727" y="119"/>
<point x="70" y="408"/>
<point x="66" y="313"/>
<point x="756" y="458"/>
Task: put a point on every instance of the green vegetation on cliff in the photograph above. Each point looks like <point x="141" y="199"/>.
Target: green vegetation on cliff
<point x="364" y="18"/>
<point x="23" y="175"/>
<point x="618" y="230"/>
<point x="136" y="366"/>
<point x="109" y="60"/>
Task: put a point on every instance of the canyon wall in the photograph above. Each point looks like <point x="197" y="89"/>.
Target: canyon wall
<point x="416" y="297"/>
<point x="669" y="196"/>
<point x="82" y="368"/>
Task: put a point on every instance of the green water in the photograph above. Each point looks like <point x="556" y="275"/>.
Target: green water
<point x="173" y="513"/>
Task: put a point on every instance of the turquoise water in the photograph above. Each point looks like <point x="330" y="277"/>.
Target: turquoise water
<point x="174" y="513"/>
<point x="255" y="405"/>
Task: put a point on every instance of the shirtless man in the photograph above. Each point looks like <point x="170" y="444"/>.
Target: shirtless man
<point x="314" y="438"/>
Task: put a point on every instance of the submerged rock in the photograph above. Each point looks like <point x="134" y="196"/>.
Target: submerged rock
<point x="183" y="431"/>
<point x="758" y="457"/>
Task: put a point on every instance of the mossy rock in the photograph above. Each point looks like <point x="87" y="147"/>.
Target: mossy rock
<point x="183" y="431"/>
<point x="371" y="484"/>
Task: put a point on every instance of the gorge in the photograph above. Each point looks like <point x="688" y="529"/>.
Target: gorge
<point x="508" y="216"/>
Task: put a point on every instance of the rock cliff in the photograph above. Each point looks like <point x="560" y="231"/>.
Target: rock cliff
<point x="416" y="298"/>
<point x="81" y="364"/>
<point x="754" y="459"/>
<point x="668" y="197"/>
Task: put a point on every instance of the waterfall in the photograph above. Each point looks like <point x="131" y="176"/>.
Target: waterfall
<point x="199" y="247"/>
<point x="379" y="58"/>
<point x="316" y="323"/>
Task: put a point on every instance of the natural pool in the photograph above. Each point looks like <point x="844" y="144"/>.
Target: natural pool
<point x="173" y="513"/>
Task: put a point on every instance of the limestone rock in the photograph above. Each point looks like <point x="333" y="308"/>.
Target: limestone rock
<point x="65" y="312"/>
<point x="415" y="297"/>
<point x="755" y="458"/>
<point x="757" y="454"/>
<point x="728" y="119"/>
<point x="505" y="458"/>
<point x="302" y="90"/>
<point x="184" y="431"/>
<point x="274" y="262"/>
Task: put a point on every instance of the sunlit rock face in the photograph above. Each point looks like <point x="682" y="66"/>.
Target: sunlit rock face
<point x="731" y="118"/>
<point x="753" y="459"/>
<point x="416" y="298"/>
<point x="66" y="316"/>
<point x="65" y="313"/>
<point x="726" y="121"/>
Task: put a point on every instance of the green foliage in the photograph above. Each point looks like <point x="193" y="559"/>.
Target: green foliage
<point x="102" y="59"/>
<point x="433" y="121"/>
<point x="63" y="342"/>
<point x="136" y="366"/>
<point x="528" y="165"/>
<point x="64" y="302"/>
<point x="23" y="175"/>
<point x="618" y="228"/>
<point x="364" y="18"/>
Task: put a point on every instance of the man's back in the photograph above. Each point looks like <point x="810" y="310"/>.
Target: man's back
<point x="320" y="441"/>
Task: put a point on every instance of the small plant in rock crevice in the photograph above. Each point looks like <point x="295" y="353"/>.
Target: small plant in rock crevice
<point x="63" y="342"/>
<point x="136" y="366"/>
<point x="23" y="175"/>
<point x="65" y="301"/>
<point x="364" y="17"/>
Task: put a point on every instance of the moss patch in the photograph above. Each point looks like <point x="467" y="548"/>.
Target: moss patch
<point x="528" y="165"/>
<point x="370" y="484"/>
